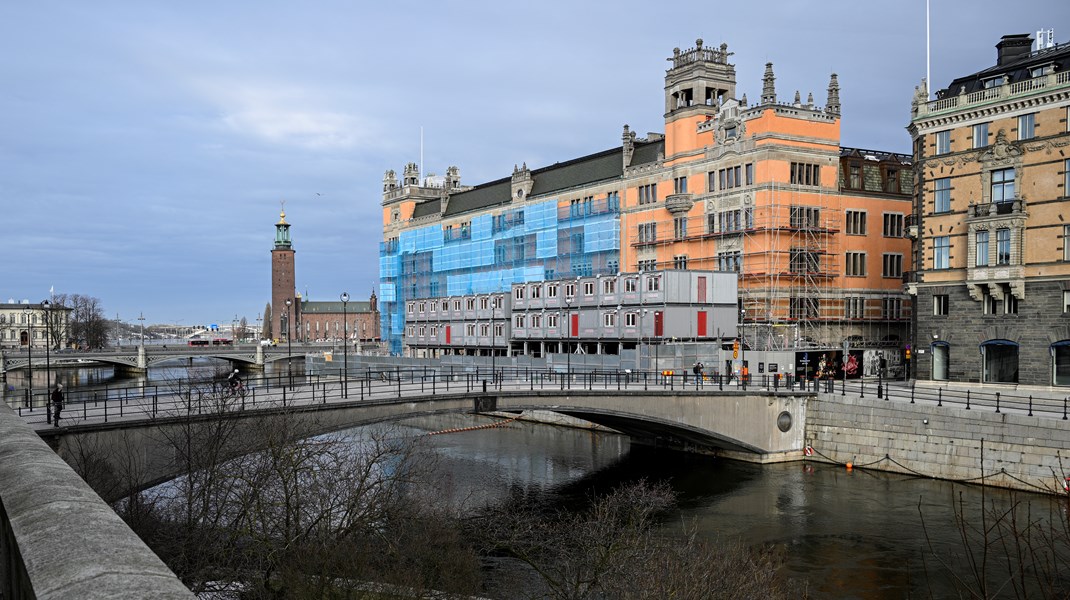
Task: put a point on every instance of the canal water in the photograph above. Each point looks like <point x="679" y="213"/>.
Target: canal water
<point x="844" y="534"/>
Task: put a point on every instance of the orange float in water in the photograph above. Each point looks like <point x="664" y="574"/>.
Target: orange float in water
<point x="850" y="466"/>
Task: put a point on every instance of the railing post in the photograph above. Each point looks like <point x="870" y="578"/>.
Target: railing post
<point x="862" y="393"/>
<point x="997" y="401"/>
<point x="967" y="399"/>
<point x="1064" y="409"/>
<point x="1030" y="405"/>
<point x="939" y="396"/>
<point x="912" y="393"/>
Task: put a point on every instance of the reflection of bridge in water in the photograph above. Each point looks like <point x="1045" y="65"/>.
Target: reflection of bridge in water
<point x="141" y="358"/>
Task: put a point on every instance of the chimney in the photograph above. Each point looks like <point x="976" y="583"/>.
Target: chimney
<point x="1012" y="47"/>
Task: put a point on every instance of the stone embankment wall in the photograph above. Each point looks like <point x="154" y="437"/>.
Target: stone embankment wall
<point x="1005" y="449"/>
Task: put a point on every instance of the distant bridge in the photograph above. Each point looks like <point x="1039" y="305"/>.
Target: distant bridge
<point x="141" y="358"/>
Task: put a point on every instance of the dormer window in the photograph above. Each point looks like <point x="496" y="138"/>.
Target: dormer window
<point x="994" y="82"/>
<point x="730" y="132"/>
<point x="1039" y="71"/>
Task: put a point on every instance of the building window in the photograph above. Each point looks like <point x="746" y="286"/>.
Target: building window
<point x="609" y="286"/>
<point x="943" y="142"/>
<point x="536" y="321"/>
<point x="1060" y="352"/>
<point x="536" y="291"/>
<point x="855" y="307"/>
<point x="711" y="181"/>
<point x="630" y="319"/>
<point x="891" y="308"/>
<point x="942" y="195"/>
<point x="457" y="304"/>
<point x="1027" y="126"/>
<point x="434" y="331"/>
<point x="648" y="233"/>
<point x="1010" y="304"/>
<point x="808" y="217"/>
<point x="855" y="264"/>
<point x="609" y="319"/>
<point x="613" y="201"/>
<point x="551" y="320"/>
<point x="680" y="262"/>
<point x="1000" y="360"/>
<point x="1066" y="178"/>
<point x="1003" y="246"/>
<point x="981" y="239"/>
<point x="484" y="303"/>
<point x="729" y="261"/>
<point x="990" y="305"/>
<point x="484" y="329"/>
<point x="942" y="252"/>
<point x="980" y="135"/>
<point x="551" y="290"/>
<point x="410" y="331"/>
<point x="805" y="174"/>
<point x="470" y="303"/>
<point x="410" y="307"/>
<point x="1066" y="301"/>
<point x="1066" y="242"/>
<point x="648" y="194"/>
<point x="855" y="177"/>
<point x="892" y="265"/>
<point x="680" y="227"/>
<point x="653" y="284"/>
<point x="940" y="305"/>
<point x="588" y="288"/>
<point x="647" y="265"/>
<point x="518" y="293"/>
<point x="802" y="260"/>
<point x="893" y="225"/>
<point x="518" y="321"/>
<point x="856" y="222"/>
<point x="631" y="284"/>
<point x="679" y="185"/>
<point x="422" y="307"/>
<point x="1003" y="185"/>
<point x="748" y="170"/>
<point x="497" y="302"/>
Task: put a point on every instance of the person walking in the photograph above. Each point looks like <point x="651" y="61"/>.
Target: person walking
<point x="57" y="404"/>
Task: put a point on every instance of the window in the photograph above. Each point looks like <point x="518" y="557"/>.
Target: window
<point x="588" y="288"/>
<point x="551" y="320"/>
<point x="855" y="264"/>
<point x="470" y="330"/>
<point x="981" y="243"/>
<point x="536" y="321"/>
<point x="891" y="308"/>
<point x="729" y="261"/>
<point x="1060" y="352"/>
<point x="609" y="286"/>
<point x="484" y="329"/>
<point x="648" y="265"/>
<point x="1010" y="304"/>
<point x="518" y="292"/>
<point x="855" y="307"/>
<point x="856" y="222"/>
<point x="484" y="303"/>
<point x="1066" y="301"/>
<point x="648" y="194"/>
<point x="1066" y="242"/>
<point x="805" y="174"/>
<point x="630" y="319"/>
<point x="497" y="302"/>
<point x="631" y="284"/>
<point x="942" y="195"/>
<point x="748" y="170"/>
<point x="648" y="233"/>
<point x="943" y="142"/>
<point x="457" y="304"/>
<point x="653" y="284"/>
<point x="1027" y="126"/>
<point x="990" y="305"/>
<point x="609" y="319"/>
<point x="980" y="135"/>
<point x="679" y="185"/>
<point x="410" y="331"/>
<point x="422" y="307"/>
<point x="470" y="303"/>
<point x="1003" y="185"/>
<point x="434" y="331"/>
<point x="711" y="181"/>
<point x="613" y="201"/>
<point x="1066" y="178"/>
<point x="855" y="177"/>
<point x="410" y="307"/>
<point x="551" y="290"/>
<point x="992" y="82"/>
<point x="892" y="265"/>
<point x="536" y="291"/>
<point x="893" y="225"/>
<point x="518" y="321"/>
<point x="680" y="262"/>
<point x="802" y="260"/>
<point x="942" y="252"/>
<point x="940" y="305"/>
<point x="680" y="227"/>
<point x="805" y="216"/>
<point x="1003" y="246"/>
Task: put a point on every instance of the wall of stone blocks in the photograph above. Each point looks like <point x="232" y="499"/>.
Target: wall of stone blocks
<point x="1019" y="452"/>
<point x="1039" y="322"/>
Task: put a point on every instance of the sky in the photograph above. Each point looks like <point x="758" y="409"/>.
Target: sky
<point x="145" y="146"/>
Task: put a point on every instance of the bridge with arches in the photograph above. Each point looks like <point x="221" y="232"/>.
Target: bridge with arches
<point x="141" y="358"/>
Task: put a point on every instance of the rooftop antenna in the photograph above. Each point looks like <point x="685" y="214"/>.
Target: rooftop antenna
<point x="1045" y="38"/>
<point x="928" y="75"/>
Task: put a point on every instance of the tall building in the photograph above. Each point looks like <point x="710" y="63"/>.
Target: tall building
<point x="814" y="231"/>
<point x="992" y="282"/>
<point x="311" y="321"/>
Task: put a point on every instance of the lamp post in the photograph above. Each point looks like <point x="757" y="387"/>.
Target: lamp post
<point x="47" y="306"/>
<point x="289" y="365"/>
<point x="141" y="317"/>
<point x="259" y="331"/>
<point x="493" y="341"/>
<point x="568" y="334"/>
<point x="345" y="346"/>
<point x="29" y="359"/>
<point x="743" y="346"/>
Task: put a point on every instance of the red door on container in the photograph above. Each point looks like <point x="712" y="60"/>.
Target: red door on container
<point x="702" y="323"/>
<point x="659" y="325"/>
<point x="575" y="325"/>
<point x="447" y="334"/>
<point x="701" y="289"/>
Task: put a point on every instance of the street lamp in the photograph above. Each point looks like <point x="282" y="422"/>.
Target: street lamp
<point x="493" y="341"/>
<point x="289" y="364"/>
<point x="345" y="346"/>
<point x="47" y="306"/>
<point x="141" y="317"/>
<point x="743" y="346"/>
<point x="29" y="355"/>
<point x="568" y="334"/>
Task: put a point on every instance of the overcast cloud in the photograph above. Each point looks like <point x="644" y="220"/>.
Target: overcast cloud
<point x="144" y="147"/>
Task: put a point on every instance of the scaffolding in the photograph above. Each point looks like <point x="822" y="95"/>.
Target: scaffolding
<point x="489" y="251"/>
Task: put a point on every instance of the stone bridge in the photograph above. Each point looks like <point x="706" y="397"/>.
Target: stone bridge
<point x="141" y="358"/>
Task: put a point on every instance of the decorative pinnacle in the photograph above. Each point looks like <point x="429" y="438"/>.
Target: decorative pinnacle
<point x="768" y="87"/>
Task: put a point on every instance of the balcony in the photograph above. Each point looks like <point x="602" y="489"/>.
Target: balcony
<point x="1028" y="87"/>
<point x="679" y="203"/>
<point x="993" y="209"/>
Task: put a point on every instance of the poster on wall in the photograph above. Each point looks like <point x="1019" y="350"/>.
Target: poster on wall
<point x="829" y="364"/>
<point x="890" y="360"/>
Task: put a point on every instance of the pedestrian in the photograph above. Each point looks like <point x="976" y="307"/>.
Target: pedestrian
<point x="698" y="373"/>
<point x="57" y="404"/>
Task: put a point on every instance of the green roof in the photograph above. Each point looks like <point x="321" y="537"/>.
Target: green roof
<point x="352" y="306"/>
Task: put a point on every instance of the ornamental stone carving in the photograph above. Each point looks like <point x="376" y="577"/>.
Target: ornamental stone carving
<point x="679" y="203"/>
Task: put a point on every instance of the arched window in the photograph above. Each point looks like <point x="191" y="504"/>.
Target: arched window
<point x="1060" y="362"/>
<point x="941" y="353"/>
<point x="1000" y="360"/>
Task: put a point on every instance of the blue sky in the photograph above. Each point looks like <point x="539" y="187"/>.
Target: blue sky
<point x="145" y="146"/>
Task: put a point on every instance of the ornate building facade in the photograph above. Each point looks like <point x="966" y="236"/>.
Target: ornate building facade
<point x="813" y="231"/>
<point x="992" y="284"/>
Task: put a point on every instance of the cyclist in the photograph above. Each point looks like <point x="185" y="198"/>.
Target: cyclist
<point x="234" y="381"/>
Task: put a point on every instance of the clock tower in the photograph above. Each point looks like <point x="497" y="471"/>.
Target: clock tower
<point x="283" y="286"/>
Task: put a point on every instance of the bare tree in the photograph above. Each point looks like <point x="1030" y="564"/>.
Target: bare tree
<point x="86" y="324"/>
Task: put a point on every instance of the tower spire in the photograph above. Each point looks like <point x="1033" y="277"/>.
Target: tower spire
<point x="768" y="88"/>
<point x="832" y="106"/>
